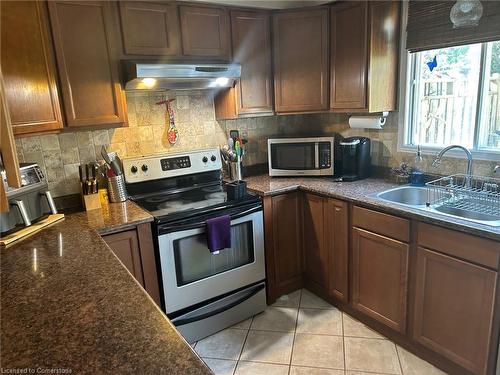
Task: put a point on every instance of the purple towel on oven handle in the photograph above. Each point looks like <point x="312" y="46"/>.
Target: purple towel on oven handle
<point x="219" y="233"/>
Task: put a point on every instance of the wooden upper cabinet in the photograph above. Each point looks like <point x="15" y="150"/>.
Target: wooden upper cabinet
<point x="205" y="32"/>
<point x="150" y="28"/>
<point x="454" y="304"/>
<point x="252" y="49"/>
<point x="88" y="69"/>
<point x="364" y="59"/>
<point x="349" y="55"/>
<point x="301" y="60"/>
<point x="380" y="278"/>
<point x="28" y="68"/>
<point x="252" y="94"/>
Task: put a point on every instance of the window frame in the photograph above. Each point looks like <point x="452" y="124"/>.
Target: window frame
<point x="406" y="114"/>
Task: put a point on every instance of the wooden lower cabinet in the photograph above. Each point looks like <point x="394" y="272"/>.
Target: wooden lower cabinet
<point x="380" y="277"/>
<point x="135" y="250"/>
<point x="337" y="242"/>
<point x="316" y="253"/>
<point x="325" y="245"/>
<point x="283" y="239"/>
<point x="454" y="304"/>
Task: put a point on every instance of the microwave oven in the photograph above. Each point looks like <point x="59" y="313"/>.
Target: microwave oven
<point x="301" y="156"/>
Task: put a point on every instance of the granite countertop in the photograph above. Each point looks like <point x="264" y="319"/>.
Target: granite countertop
<point x="68" y="303"/>
<point x="358" y="192"/>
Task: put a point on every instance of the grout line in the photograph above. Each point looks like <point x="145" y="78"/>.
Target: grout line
<point x="295" y="333"/>
<point x="243" y="346"/>
<point x="399" y="359"/>
<point x="343" y="340"/>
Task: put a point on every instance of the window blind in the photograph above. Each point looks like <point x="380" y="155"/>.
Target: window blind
<point x="429" y="25"/>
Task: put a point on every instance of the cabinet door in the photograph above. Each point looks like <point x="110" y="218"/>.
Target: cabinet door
<point x="349" y="58"/>
<point x="380" y="278"/>
<point x="301" y="60"/>
<point x="125" y="245"/>
<point x="384" y="52"/>
<point x="150" y="28"/>
<point x="205" y="32"/>
<point x="337" y="243"/>
<point x="87" y="66"/>
<point x="454" y="303"/>
<point x="252" y="49"/>
<point x="315" y="249"/>
<point x="287" y="242"/>
<point x="28" y="68"/>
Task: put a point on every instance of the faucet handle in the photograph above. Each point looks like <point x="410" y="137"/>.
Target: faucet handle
<point x="496" y="169"/>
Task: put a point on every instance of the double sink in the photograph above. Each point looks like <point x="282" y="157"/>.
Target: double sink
<point x="417" y="197"/>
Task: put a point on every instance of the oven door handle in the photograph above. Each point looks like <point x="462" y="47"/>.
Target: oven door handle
<point x="167" y="228"/>
<point x="218" y="307"/>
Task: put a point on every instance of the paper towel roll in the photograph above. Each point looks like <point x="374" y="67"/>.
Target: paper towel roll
<point x="367" y="122"/>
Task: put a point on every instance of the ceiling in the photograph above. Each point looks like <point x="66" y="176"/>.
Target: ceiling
<point x="267" y="4"/>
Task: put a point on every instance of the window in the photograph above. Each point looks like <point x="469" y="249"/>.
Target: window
<point x="454" y="97"/>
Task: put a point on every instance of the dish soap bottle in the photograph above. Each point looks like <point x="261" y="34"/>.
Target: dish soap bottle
<point x="417" y="174"/>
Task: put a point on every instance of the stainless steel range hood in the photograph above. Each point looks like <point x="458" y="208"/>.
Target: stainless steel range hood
<point x="166" y="76"/>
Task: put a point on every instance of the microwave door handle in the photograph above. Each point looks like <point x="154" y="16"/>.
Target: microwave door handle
<point x="22" y="210"/>
<point x="316" y="155"/>
<point x="50" y="202"/>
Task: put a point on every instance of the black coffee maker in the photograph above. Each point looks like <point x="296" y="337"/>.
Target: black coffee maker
<point x="355" y="158"/>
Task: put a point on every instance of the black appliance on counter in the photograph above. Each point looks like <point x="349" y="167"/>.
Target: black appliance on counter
<point x="355" y="158"/>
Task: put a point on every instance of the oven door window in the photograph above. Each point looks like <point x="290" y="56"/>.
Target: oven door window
<point x="293" y="156"/>
<point x="193" y="260"/>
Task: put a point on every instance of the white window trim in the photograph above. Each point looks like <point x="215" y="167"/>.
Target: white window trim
<point x="404" y="107"/>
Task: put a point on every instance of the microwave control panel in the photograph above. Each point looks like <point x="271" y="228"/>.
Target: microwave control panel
<point x="325" y="155"/>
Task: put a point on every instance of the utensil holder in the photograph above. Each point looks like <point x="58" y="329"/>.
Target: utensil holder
<point x="234" y="169"/>
<point x="116" y="189"/>
<point x="236" y="190"/>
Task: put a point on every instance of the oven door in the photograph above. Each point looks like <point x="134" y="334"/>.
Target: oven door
<point x="192" y="274"/>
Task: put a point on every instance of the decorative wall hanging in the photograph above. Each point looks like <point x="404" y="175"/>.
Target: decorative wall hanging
<point x="172" y="132"/>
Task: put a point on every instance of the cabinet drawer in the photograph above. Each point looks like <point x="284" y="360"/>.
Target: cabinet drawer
<point x="475" y="249"/>
<point x="378" y="222"/>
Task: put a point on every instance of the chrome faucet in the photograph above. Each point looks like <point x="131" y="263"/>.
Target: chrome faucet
<point x="437" y="160"/>
<point x="496" y="169"/>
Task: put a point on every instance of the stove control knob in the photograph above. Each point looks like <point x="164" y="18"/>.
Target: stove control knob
<point x="133" y="169"/>
<point x="144" y="168"/>
<point x="213" y="158"/>
<point x="205" y="159"/>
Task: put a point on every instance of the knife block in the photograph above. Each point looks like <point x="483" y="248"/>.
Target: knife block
<point x="91" y="202"/>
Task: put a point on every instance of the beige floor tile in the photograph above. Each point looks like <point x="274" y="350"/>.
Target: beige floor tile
<point x="245" y="324"/>
<point x="318" y="351"/>
<point x="312" y="301"/>
<point x="363" y="373"/>
<point x="256" y="368"/>
<point x="275" y="319"/>
<point x="373" y="355"/>
<point x="412" y="365"/>
<point x="296" y="370"/>
<point x="288" y="300"/>
<point x="354" y="328"/>
<point x="319" y="321"/>
<point x="221" y="366"/>
<point x="225" y="344"/>
<point x="267" y="346"/>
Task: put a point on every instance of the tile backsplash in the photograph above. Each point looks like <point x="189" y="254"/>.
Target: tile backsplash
<point x="60" y="154"/>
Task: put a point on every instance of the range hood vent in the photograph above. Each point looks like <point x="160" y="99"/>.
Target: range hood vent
<point x="166" y="76"/>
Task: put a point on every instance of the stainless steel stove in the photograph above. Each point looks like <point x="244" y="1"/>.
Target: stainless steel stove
<point x="203" y="292"/>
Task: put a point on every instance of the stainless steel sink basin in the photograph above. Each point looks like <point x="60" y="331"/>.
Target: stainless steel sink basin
<point x="413" y="196"/>
<point x="417" y="197"/>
